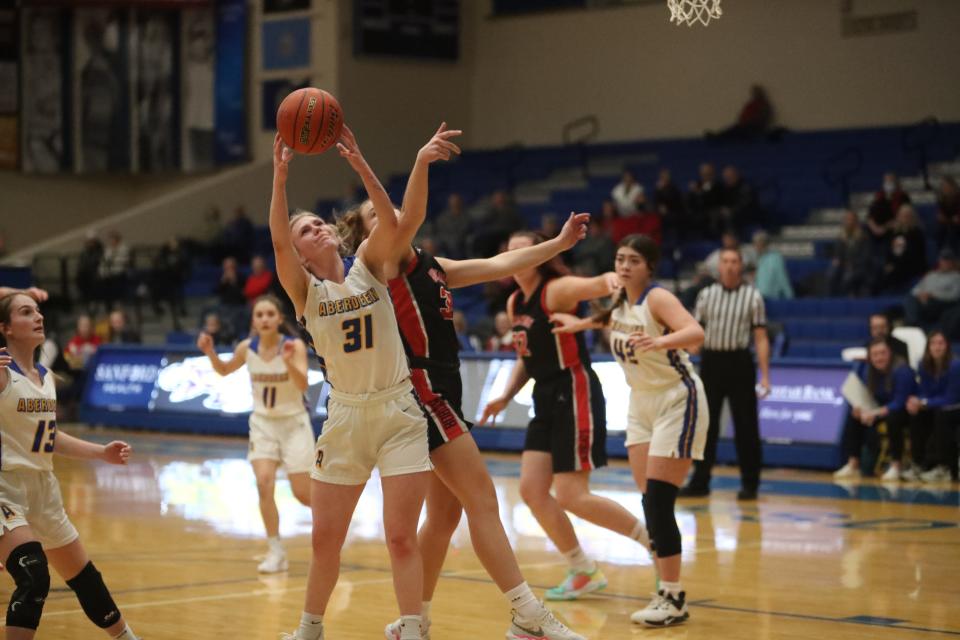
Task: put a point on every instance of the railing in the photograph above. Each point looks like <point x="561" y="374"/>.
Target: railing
<point x="916" y="139"/>
<point x="579" y="133"/>
<point x="840" y="168"/>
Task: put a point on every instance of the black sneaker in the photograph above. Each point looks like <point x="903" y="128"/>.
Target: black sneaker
<point x="693" y="491"/>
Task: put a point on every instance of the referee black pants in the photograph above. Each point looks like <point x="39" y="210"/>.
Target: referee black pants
<point x="733" y="375"/>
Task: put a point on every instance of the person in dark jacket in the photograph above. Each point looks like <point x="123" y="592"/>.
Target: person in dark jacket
<point x="906" y="258"/>
<point x="934" y="411"/>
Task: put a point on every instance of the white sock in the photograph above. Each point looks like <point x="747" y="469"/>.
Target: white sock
<point x="425" y="611"/>
<point x="410" y="627"/>
<point x="311" y="627"/>
<point x="639" y="534"/>
<point x="126" y="634"/>
<point x="673" y="588"/>
<point x="275" y="545"/>
<point x="523" y="601"/>
<point x="579" y="561"/>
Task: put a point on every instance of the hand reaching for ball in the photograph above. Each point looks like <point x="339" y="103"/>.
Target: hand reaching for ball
<point x="282" y="155"/>
<point x="439" y="146"/>
<point x="350" y="150"/>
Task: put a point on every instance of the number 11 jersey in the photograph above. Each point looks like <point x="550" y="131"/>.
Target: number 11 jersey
<point x="28" y="421"/>
<point x="354" y="331"/>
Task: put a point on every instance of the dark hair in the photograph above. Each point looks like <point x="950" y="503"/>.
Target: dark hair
<point x="877" y="378"/>
<point x="931" y="366"/>
<point x="6" y="310"/>
<point x="285" y="327"/>
<point x="552" y="268"/>
<point x="649" y="250"/>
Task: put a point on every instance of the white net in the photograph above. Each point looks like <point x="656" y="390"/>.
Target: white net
<point x="690" y="11"/>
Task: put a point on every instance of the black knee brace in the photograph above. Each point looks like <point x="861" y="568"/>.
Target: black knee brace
<point x="660" y="498"/>
<point x="94" y="597"/>
<point x="27" y="565"/>
<point x="649" y="520"/>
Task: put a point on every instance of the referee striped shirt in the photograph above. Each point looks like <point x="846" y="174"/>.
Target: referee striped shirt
<point x="729" y="316"/>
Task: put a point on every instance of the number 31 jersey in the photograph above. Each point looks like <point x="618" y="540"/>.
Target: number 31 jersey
<point x="28" y="421"/>
<point x="354" y="331"/>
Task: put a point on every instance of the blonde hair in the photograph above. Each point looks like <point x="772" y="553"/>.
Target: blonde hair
<point x="299" y="214"/>
<point x="351" y="229"/>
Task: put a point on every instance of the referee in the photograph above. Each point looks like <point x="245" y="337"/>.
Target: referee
<point x="730" y="311"/>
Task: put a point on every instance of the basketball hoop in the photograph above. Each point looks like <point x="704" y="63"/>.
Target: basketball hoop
<point x="690" y="11"/>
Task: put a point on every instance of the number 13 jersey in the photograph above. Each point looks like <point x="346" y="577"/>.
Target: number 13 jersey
<point x="28" y="421"/>
<point x="354" y="331"/>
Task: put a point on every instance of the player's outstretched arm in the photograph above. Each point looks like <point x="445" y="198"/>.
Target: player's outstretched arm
<point x="413" y="211"/>
<point x="463" y="273"/>
<point x="291" y="273"/>
<point x="569" y="323"/>
<point x="205" y="344"/>
<point x="294" y="355"/>
<point x="565" y="293"/>
<point x="116" y="452"/>
<point x="685" y="331"/>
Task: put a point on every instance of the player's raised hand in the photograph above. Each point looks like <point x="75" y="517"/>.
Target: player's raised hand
<point x="574" y="229"/>
<point x="40" y="295"/>
<point x="439" y="147"/>
<point x="117" y="452"/>
<point x="349" y="149"/>
<point x="493" y="408"/>
<point x="205" y="342"/>
<point x="287" y="351"/>
<point x="282" y="155"/>
<point x="568" y="323"/>
<point x="5" y="358"/>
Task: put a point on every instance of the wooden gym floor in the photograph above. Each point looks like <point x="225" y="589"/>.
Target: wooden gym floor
<point x="177" y="533"/>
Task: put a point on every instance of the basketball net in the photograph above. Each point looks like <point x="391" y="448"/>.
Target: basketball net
<point x="691" y="11"/>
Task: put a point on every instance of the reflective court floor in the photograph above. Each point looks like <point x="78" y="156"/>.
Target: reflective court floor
<point x="177" y="535"/>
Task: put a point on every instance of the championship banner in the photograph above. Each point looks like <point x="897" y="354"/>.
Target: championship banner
<point x="157" y="106"/>
<point x="197" y="42"/>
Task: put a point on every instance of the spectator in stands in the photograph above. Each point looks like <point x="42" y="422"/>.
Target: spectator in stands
<point x="936" y="292"/>
<point x="704" y="199"/>
<point x="906" y="258"/>
<point x="627" y="194"/>
<point x="237" y="236"/>
<point x="934" y="409"/>
<point x="880" y="330"/>
<point x="229" y="289"/>
<point x="211" y="233"/>
<point x="259" y="282"/>
<point x="114" y="267"/>
<point x="468" y="343"/>
<point x="729" y="240"/>
<point x="82" y="345"/>
<point x="668" y="202"/>
<point x="850" y="272"/>
<point x="452" y="228"/>
<point x="772" y="279"/>
<point x="755" y="119"/>
<point x="890" y="381"/>
<point x="216" y="330"/>
<point x="948" y="214"/>
<point x="594" y="254"/>
<point x="496" y="224"/>
<point x="88" y="270"/>
<point x="616" y="226"/>
<point x="883" y="210"/>
<point x="170" y="270"/>
<point x="119" y="331"/>
<point x="502" y="338"/>
<point x="739" y="208"/>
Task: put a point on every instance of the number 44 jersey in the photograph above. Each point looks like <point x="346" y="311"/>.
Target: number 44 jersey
<point x="354" y="330"/>
<point x="28" y="421"/>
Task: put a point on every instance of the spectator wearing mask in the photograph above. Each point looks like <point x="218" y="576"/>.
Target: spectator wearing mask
<point x="502" y="338"/>
<point x="259" y="282"/>
<point x="880" y="330"/>
<point x="890" y="382"/>
<point x="850" y="270"/>
<point x="626" y="194"/>
<point x="936" y="292"/>
<point x="884" y="207"/>
<point x="934" y="410"/>
<point x="906" y="258"/>
<point x="772" y="280"/>
<point x="119" y="331"/>
<point x="452" y="228"/>
<point x="948" y="214"/>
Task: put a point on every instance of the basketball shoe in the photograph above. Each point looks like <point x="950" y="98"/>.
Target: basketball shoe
<point x="544" y="627"/>
<point x="274" y="562"/>
<point x="664" y="610"/>
<point x="392" y="630"/>
<point x="576" y="584"/>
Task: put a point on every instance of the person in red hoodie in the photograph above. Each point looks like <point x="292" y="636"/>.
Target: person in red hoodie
<point x="260" y="280"/>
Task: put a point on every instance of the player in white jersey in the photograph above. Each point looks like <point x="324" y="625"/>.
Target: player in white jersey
<point x="667" y="419"/>
<point x="374" y="418"/>
<point x="34" y="528"/>
<point x="280" y="431"/>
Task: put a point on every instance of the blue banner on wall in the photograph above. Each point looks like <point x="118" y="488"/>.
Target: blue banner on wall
<point x="124" y="380"/>
<point x="230" y="82"/>
<point x="286" y="43"/>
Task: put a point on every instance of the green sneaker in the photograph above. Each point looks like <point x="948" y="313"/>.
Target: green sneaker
<point x="576" y="584"/>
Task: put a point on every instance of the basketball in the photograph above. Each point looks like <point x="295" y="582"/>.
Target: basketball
<point x="309" y="120"/>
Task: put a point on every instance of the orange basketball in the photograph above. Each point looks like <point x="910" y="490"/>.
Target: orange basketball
<point x="309" y="120"/>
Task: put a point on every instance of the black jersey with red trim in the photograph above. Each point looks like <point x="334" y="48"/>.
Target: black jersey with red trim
<point x="545" y="354"/>
<point x="424" y="308"/>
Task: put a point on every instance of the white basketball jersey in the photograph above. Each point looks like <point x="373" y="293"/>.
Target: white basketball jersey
<point x="28" y="421"/>
<point x="354" y="331"/>
<point x="274" y="394"/>
<point x="653" y="369"/>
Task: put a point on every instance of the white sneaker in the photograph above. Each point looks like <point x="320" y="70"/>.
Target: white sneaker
<point x="392" y="630"/>
<point x="892" y="474"/>
<point x="937" y="474"/>
<point x="846" y="471"/>
<point x="664" y="610"/>
<point x="544" y="627"/>
<point x="912" y="474"/>
<point x="275" y="562"/>
<point x="294" y="636"/>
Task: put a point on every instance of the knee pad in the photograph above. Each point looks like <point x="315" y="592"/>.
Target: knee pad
<point x="661" y="498"/>
<point x="94" y="597"/>
<point x="27" y="565"/>
<point x="649" y="520"/>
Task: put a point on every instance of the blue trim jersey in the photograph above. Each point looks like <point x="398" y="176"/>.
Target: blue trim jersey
<point x="654" y="369"/>
<point x="28" y="421"/>
<point x="354" y="331"/>
<point x="274" y="394"/>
